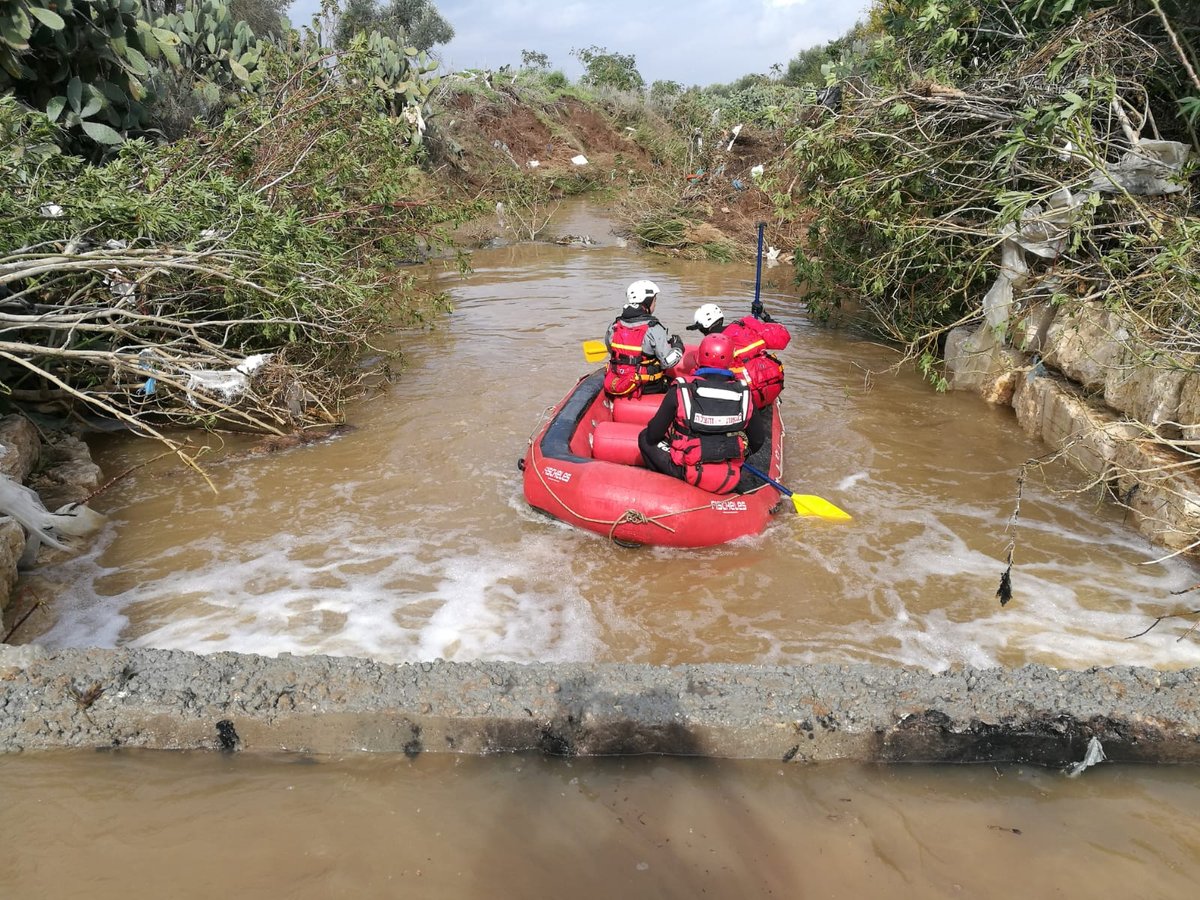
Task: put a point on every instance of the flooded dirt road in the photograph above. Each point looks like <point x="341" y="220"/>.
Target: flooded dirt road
<point x="408" y="537"/>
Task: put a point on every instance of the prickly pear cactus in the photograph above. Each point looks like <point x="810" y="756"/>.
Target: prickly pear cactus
<point x="222" y="54"/>
<point x="84" y="62"/>
<point x="397" y="74"/>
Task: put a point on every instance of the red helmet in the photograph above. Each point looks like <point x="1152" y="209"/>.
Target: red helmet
<point x="716" y="350"/>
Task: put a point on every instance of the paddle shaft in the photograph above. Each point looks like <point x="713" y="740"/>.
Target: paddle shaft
<point x="767" y="478"/>
<point x="756" y="306"/>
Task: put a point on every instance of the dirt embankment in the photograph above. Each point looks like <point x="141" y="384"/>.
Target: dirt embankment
<point x="487" y="137"/>
<point x="505" y="132"/>
<point x="713" y="189"/>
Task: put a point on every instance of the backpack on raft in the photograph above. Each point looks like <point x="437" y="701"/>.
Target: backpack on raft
<point x="764" y="371"/>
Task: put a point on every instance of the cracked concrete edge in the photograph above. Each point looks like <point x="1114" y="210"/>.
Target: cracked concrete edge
<point x="176" y="700"/>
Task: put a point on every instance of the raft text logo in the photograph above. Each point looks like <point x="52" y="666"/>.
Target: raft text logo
<point x="557" y="474"/>
<point x="728" y="506"/>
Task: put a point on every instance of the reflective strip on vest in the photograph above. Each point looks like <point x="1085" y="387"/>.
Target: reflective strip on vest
<point x="719" y="393"/>
<point x="734" y="422"/>
<point x="750" y="348"/>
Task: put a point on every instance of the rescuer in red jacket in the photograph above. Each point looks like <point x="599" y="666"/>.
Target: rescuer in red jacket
<point x="753" y="339"/>
<point x="705" y="427"/>
<point x="639" y="346"/>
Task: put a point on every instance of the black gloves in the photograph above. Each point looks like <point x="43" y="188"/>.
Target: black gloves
<point x="676" y="342"/>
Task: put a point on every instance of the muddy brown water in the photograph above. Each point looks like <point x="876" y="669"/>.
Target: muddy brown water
<point x="128" y="825"/>
<point x="407" y="538"/>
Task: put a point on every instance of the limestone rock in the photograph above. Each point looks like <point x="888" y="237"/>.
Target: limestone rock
<point x="1148" y="389"/>
<point x="1189" y="408"/>
<point x="1031" y="325"/>
<point x="12" y="545"/>
<point x="1090" y="437"/>
<point x="69" y="475"/>
<point x="20" y="446"/>
<point x="1081" y="346"/>
<point x="976" y="361"/>
<point x="1164" y="497"/>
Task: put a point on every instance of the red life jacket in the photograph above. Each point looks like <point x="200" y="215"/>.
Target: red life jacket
<point x="707" y="437"/>
<point x="757" y="365"/>
<point x="628" y="366"/>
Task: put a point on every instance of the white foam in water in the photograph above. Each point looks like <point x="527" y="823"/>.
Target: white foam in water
<point x="364" y="600"/>
<point x="935" y="597"/>
<point x="851" y="480"/>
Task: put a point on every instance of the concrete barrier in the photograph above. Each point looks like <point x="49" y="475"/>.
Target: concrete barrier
<point x="174" y="700"/>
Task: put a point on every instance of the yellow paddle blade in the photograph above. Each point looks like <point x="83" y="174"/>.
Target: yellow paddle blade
<point x="811" y="505"/>
<point x="594" y="351"/>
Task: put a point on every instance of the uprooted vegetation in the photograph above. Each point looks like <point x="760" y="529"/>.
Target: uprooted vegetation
<point x="231" y="278"/>
<point x="140" y="288"/>
<point x="977" y="120"/>
<point x="1028" y="171"/>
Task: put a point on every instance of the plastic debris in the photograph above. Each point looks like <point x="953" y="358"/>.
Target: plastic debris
<point x="412" y="115"/>
<point x="146" y="361"/>
<point x="41" y="526"/>
<point x="733" y="134"/>
<point x="738" y="184"/>
<point x="228" y="383"/>
<point x="533" y="163"/>
<point x="1042" y="232"/>
<point x="1149" y="169"/>
<point x="1094" y="754"/>
<point x="579" y="160"/>
<point x="119" y="286"/>
<point x="50" y="211"/>
<point x="757" y="171"/>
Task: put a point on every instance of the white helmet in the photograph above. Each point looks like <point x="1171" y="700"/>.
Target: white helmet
<point x="706" y="316"/>
<point x="639" y="292"/>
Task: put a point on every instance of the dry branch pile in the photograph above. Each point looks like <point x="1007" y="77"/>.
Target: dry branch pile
<point x="232" y="279"/>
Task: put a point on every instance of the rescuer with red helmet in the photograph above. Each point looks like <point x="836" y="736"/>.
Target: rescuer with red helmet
<point x="753" y="337"/>
<point x="705" y="427"/>
<point x="640" y="348"/>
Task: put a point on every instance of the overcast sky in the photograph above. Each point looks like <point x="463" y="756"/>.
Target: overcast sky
<point x="702" y="42"/>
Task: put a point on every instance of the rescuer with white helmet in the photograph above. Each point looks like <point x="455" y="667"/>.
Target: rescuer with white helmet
<point x="754" y="337"/>
<point x="640" y="347"/>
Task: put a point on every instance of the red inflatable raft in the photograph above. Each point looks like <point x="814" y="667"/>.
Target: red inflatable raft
<point x="583" y="467"/>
